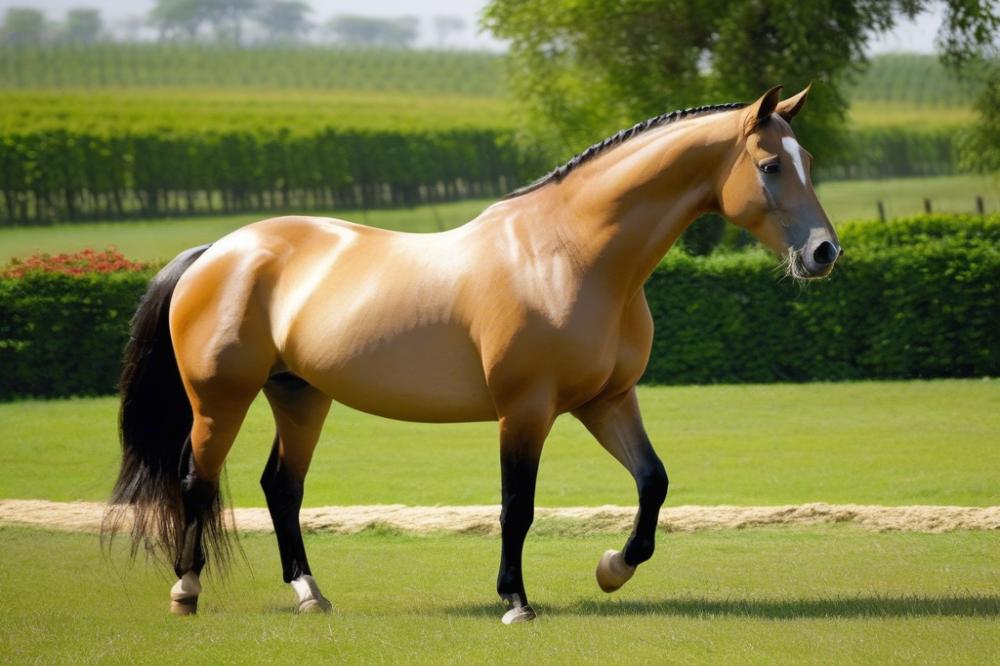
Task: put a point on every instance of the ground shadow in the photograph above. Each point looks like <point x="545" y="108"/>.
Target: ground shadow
<point x="777" y="609"/>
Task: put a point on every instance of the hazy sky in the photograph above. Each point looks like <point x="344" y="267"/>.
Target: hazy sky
<point x="912" y="36"/>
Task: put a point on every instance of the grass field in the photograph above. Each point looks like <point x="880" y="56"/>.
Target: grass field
<point x="830" y="595"/>
<point x="893" y="114"/>
<point x="120" y="111"/>
<point x="892" y="443"/>
<point x="857" y="199"/>
<point x="162" y="239"/>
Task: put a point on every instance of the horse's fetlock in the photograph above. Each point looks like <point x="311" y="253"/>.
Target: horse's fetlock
<point x="638" y="551"/>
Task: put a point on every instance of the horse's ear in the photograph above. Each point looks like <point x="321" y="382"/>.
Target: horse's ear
<point x="758" y="112"/>
<point x="791" y="106"/>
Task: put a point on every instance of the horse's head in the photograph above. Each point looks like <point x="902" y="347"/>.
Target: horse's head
<point x="767" y="188"/>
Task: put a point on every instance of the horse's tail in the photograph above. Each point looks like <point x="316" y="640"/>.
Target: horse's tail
<point x="154" y="423"/>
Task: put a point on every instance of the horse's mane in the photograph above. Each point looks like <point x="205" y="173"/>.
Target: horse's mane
<point x="560" y="172"/>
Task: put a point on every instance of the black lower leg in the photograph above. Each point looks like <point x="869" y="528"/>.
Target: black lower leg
<point x="518" y="474"/>
<point x="284" y="499"/>
<point x="198" y="497"/>
<point x="651" y="481"/>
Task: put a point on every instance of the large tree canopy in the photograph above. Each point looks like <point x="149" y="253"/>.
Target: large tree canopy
<point x="584" y="68"/>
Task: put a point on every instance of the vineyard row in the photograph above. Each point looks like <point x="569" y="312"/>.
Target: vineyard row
<point x="62" y="175"/>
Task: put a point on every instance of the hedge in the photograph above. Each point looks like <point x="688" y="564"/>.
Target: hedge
<point x="924" y="310"/>
<point x="72" y="173"/>
<point x="917" y="311"/>
<point x="892" y="152"/>
<point x="63" y="335"/>
<point x="65" y="174"/>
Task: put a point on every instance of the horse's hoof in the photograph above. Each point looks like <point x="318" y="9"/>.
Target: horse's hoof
<point x="613" y="571"/>
<point x="184" y="594"/>
<point x="310" y="606"/>
<point x="311" y="600"/>
<point x="518" y="614"/>
<point x="184" y="606"/>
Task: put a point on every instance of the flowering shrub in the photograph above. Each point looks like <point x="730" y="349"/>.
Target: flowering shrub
<point x="83" y="262"/>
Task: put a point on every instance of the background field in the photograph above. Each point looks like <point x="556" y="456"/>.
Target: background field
<point x="143" y="131"/>
<point x="890" y="443"/>
<point x="831" y="595"/>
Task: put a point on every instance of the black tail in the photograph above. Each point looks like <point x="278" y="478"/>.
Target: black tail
<point x="154" y="424"/>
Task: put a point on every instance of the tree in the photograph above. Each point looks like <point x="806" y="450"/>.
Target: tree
<point x="182" y="18"/>
<point x="370" y="31"/>
<point x="285" y="20"/>
<point x="445" y="26"/>
<point x="227" y="17"/>
<point x="972" y="49"/>
<point x="83" y="26"/>
<point x="23" y="25"/>
<point x="587" y="67"/>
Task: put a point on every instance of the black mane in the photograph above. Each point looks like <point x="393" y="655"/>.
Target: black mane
<point x="560" y="172"/>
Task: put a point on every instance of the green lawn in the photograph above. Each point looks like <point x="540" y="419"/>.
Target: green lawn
<point x="895" y="114"/>
<point x="158" y="240"/>
<point x="855" y="200"/>
<point x="823" y="595"/>
<point x="163" y="239"/>
<point x="892" y="443"/>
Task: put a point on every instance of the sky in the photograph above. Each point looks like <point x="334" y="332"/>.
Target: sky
<point x="910" y="36"/>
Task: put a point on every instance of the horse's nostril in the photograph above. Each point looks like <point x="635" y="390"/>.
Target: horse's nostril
<point x="825" y="253"/>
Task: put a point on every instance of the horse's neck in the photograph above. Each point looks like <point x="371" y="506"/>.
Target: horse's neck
<point x="626" y="209"/>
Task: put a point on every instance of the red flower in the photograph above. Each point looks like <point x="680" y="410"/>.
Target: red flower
<point x="85" y="262"/>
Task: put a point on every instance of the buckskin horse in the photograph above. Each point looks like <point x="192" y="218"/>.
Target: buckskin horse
<point x="531" y="310"/>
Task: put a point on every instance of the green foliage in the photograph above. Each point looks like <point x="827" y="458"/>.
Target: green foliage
<point x="63" y="174"/>
<point x="62" y="334"/>
<point x="585" y="67"/>
<point x="922" y="230"/>
<point x="919" y="310"/>
<point x="911" y="80"/>
<point x="980" y="147"/>
<point x="884" y="152"/>
<point x="704" y="234"/>
<point x="298" y="68"/>
<point x="22" y="25"/>
<point x="372" y="31"/>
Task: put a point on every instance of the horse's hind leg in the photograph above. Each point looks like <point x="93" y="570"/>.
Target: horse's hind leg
<point x="299" y="413"/>
<point x="617" y="425"/>
<point x="218" y="415"/>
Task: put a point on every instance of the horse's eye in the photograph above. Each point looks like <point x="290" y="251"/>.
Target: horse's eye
<point x="770" y="167"/>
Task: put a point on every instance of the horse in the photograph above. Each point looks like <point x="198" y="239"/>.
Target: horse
<point x="533" y="309"/>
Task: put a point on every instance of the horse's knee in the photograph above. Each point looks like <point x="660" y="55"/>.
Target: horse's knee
<point x="652" y="483"/>
<point x="516" y="517"/>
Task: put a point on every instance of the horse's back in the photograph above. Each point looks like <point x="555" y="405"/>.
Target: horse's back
<point x="373" y="318"/>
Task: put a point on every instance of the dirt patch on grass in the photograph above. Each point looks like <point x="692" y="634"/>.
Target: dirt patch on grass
<point x="86" y="516"/>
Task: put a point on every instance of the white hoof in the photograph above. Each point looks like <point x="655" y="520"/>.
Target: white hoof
<point x="518" y="614"/>
<point x="613" y="571"/>
<point x="184" y="594"/>
<point x="311" y="600"/>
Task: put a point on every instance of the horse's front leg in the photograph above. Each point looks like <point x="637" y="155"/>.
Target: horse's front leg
<point x="617" y="425"/>
<point x="522" y="433"/>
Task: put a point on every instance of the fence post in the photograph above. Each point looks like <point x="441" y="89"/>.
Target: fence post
<point x="881" y="211"/>
<point x="927" y="205"/>
<point x="980" y="208"/>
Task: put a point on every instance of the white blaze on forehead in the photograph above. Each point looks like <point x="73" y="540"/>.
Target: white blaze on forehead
<point x="793" y="148"/>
